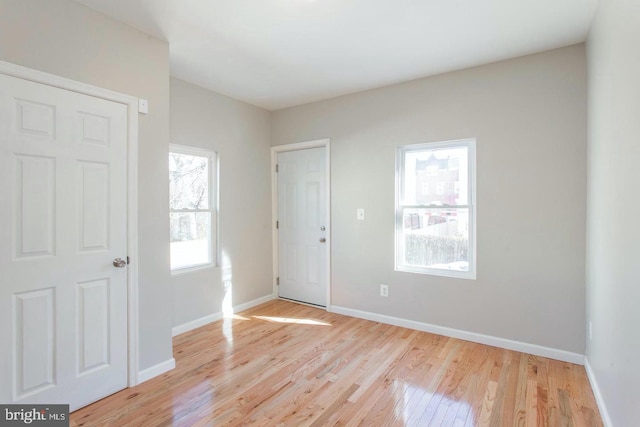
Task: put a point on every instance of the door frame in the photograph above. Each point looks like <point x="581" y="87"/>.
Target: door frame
<point x="131" y="103"/>
<point x="319" y="143"/>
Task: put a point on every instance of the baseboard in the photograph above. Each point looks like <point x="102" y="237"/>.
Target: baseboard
<point x="534" y="349"/>
<point x="155" y="370"/>
<point x="253" y="303"/>
<point x="194" y="324"/>
<point x="604" y="414"/>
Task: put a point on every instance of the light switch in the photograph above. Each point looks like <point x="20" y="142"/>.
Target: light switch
<point x="143" y="106"/>
<point x="360" y="214"/>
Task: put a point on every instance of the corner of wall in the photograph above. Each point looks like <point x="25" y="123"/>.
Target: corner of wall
<point x="602" y="407"/>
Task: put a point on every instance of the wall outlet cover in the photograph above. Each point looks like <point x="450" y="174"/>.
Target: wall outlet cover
<point x="384" y="290"/>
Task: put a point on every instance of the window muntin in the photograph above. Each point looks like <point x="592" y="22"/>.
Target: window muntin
<point x="192" y="210"/>
<point x="435" y="212"/>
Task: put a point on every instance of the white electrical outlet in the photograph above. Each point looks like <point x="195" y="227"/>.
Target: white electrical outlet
<point x="590" y="331"/>
<point x="384" y="290"/>
<point x="360" y="214"/>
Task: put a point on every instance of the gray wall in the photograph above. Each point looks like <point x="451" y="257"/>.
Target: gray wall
<point x="613" y="254"/>
<point x="239" y="133"/>
<point x="529" y="118"/>
<point x="64" y="38"/>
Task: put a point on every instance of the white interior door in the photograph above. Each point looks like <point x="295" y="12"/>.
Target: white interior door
<point x="63" y="221"/>
<point x="302" y="231"/>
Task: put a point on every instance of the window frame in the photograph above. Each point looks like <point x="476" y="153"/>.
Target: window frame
<point x="401" y="151"/>
<point x="213" y="178"/>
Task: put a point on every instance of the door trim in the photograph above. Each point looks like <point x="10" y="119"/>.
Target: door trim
<point x="326" y="143"/>
<point x="131" y="102"/>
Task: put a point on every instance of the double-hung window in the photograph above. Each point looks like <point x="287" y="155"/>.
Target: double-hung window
<point x="435" y="208"/>
<point x="192" y="207"/>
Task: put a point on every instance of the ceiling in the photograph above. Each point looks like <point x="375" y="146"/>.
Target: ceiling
<point x="281" y="53"/>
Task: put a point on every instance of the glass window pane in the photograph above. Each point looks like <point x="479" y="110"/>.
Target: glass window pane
<point x="436" y="177"/>
<point x="188" y="181"/>
<point x="190" y="237"/>
<point x="436" y="238"/>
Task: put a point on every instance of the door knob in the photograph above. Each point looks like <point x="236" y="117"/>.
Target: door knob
<point x="322" y="240"/>
<point x="119" y="262"/>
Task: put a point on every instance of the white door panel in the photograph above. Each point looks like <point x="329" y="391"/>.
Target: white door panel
<point x="302" y="225"/>
<point x="63" y="305"/>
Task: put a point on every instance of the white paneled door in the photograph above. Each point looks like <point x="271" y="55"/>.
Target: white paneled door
<point x="63" y="224"/>
<point x="302" y="229"/>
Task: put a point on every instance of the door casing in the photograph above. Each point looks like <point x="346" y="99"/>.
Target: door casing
<point x="131" y="102"/>
<point x="326" y="143"/>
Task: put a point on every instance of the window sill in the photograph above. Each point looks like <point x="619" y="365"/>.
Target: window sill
<point x="456" y="274"/>
<point x="192" y="269"/>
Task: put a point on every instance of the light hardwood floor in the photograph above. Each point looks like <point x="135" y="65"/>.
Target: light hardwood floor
<point x="288" y="364"/>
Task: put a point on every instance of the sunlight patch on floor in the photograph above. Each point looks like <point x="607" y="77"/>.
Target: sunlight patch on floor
<point x="235" y="317"/>
<point x="415" y="402"/>
<point x="292" y="320"/>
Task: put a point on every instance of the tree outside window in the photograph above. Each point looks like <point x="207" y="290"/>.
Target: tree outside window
<point x="192" y="207"/>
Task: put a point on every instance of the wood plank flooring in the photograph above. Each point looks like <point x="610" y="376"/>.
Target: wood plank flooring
<point x="292" y="365"/>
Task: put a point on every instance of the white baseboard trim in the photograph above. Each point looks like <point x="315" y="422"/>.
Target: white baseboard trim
<point x="253" y="303"/>
<point x="534" y="349"/>
<point x="606" y="420"/>
<point x="194" y="324"/>
<point x="155" y="370"/>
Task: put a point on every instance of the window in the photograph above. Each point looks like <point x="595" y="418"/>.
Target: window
<point x="435" y="230"/>
<point x="192" y="207"/>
